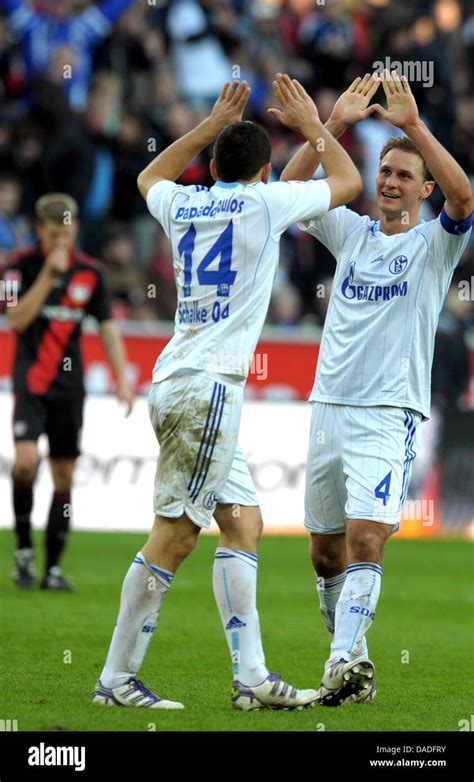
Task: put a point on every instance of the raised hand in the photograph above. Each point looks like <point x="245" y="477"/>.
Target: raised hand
<point x="297" y="111"/>
<point x="401" y="110"/>
<point x="57" y="261"/>
<point x="230" y="104"/>
<point x="353" y="105"/>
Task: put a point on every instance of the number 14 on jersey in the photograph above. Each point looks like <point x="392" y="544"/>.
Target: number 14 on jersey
<point x="223" y="277"/>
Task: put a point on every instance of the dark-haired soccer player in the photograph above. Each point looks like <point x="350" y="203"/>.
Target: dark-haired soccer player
<point x="225" y="244"/>
<point x="57" y="286"/>
<point x="372" y="386"/>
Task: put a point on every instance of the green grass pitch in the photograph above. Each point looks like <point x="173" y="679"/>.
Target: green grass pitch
<point x="421" y="641"/>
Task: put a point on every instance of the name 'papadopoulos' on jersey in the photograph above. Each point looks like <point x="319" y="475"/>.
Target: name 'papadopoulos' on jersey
<point x="225" y="243"/>
<point x="378" y="339"/>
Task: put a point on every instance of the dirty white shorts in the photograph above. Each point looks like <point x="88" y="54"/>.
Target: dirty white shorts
<point x="196" y="418"/>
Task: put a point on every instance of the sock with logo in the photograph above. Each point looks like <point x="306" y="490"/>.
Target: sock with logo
<point x="235" y="589"/>
<point x="329" y="590"/>
<point x="143" y="591"/>
<point x="57" y="531"/>
<point x="22" y="505"/>
<point x="355" y="609"/>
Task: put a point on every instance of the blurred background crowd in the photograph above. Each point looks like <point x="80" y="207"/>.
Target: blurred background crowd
<point x="90" y="93"/>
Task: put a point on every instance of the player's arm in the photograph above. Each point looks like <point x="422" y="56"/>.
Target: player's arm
<point x="402" y="112"/>
<point x="351" y="107"/>
<point x="170" y="163"/>
<point x="300" y="113"/>
<point x="115" y="352"/>
<point x="29" y="305"/>
<point x="94" y="23"/>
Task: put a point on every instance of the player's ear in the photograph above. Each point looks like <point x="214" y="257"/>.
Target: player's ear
<point x="427" y="188"/>
<point x="266" y="173"/>
<point x="213" y="170"/>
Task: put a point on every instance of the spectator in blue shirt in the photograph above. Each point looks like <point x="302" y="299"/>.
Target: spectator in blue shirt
<point x="44" y="36"/>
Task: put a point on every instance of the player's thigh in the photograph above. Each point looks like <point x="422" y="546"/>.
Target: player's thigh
<point x="29" y="418"/>
<point x="196" y="419"/>
<point x="64" y="426"/>
<point x="379" y="447"/>
<point x="325" y="490"/>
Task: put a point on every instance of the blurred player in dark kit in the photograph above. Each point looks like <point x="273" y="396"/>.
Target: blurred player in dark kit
<point x="57" y="287"/>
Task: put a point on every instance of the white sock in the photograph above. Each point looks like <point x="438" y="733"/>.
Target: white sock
<point x="355" y="610"/>
<point x="329" y="590"/>
<point x="234" y="580"/>
<point x="143" y="591"/>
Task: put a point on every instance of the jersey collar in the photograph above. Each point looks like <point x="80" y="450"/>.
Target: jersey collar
<point x="228" y="185"/>
<point x="376" y="227"/>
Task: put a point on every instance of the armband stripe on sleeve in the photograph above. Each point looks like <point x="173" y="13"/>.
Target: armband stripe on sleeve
<point x="456" y="227"/>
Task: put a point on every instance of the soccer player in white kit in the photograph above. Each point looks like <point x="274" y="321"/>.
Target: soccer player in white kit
<point x="225" y="242"/>
<point x="372" y="385"/>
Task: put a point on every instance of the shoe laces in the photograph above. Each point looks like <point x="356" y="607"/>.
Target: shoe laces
<point x="274" y="677"/>
<point x="280" y="687"/>
<point x="140" y="686"/>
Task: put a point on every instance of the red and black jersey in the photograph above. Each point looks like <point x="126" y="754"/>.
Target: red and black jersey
<point x="48" y="357"/>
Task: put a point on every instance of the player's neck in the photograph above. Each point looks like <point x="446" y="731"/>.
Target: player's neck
<point x="249" y="181"/>
<point x="398" y="224"/>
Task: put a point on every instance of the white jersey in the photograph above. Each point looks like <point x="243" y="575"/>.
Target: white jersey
<point x="225" y="243"/>
<point x="378" y="339"/>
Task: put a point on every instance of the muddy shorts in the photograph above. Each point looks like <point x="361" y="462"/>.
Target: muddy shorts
<point x="196" y="418"/>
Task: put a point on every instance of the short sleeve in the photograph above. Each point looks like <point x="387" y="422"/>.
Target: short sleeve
<point x="159" y="200"/>
<point x="18" y="275"/>
<point x="447" y="239"/>
<point x="99" y="304"/>
<point x="333" y="229"/>
<point x="290" y="202"/>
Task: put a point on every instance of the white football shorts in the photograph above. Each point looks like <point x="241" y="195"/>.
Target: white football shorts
<point x="196" y="418"/>
<point x="359" y="465"/>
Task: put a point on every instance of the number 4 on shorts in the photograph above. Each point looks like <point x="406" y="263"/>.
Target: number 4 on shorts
<point x="382" y="491"/>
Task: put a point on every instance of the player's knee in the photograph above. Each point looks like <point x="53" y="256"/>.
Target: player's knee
<point x="63" y="482"/>
<point x="25" y="468"/>
<point x="62" y="477"/>
<point x="183" y="546"/>
<point x="327" y="556"/>
<point x="366" y="547"/>
<point x="326" y="563"/>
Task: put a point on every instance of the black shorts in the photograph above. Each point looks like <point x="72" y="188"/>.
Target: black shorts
<point x="60" y="419"/>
